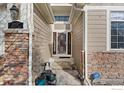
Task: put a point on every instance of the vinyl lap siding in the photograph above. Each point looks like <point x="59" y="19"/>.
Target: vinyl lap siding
<point x="42" y="37"/>
<point x="41" y="42"/>
<point x="96" y="30"/>
<point x="77" y="41"/>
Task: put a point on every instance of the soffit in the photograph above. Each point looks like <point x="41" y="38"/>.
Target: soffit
<point x="45" y="11"/>
<point x="61" y="9"/>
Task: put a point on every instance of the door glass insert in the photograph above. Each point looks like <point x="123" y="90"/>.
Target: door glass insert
<point x="61" y="43"/>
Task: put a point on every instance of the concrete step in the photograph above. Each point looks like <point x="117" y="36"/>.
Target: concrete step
<point x="57" y="59"/>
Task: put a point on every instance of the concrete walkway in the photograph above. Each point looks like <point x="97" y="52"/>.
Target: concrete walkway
<point x="65" y="77"/>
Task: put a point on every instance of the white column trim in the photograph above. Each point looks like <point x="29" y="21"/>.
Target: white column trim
<point x="86" y="48"/>
<point x="31" y="29"/>
<point x="86" y="43"/>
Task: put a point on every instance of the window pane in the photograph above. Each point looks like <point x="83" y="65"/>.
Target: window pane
<point x="113" y="45"/>
<point x="120" y="31"/>
<point x="69" y="42"/>
<point x="120" y="38"/>
<point x="113" y="38"/>
<point x="61" y="18"/>
<point x="117" y="15"/>
<point x="114" y="24"/>
<point x="113" y="31"/>
<point x="120" y="45"/>
<point x="120" y="24"/>
<point x="114" y="28"/>
<point x="120" y="28"/>
<point x="54" y="42"/>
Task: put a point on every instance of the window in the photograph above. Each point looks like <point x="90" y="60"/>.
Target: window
<point x="2" y="43"/>
<point x="117" y="30"/>
<point x="61" y="18"/>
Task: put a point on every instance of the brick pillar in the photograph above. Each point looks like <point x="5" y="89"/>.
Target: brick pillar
<point x="15" y="67"/>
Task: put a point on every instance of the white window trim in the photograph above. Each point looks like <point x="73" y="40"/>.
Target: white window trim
<point x="109" y="32"/>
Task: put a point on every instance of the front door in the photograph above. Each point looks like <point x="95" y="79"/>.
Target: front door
<point x="62" y="43"/>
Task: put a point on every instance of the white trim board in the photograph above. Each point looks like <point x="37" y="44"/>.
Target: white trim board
<point x="31" y="29"/>
<point x="86" y="49"/>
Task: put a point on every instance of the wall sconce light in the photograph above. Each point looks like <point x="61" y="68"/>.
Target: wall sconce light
<point x="14" y="11"/>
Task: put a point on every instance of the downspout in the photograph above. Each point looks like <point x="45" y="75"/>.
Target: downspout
<point x="85" y="42"/>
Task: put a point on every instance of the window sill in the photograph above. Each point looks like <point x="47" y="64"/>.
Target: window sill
<point x="116" y="50"/>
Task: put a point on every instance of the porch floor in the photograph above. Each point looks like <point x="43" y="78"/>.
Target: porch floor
<point x="65" y="73"/>
<point x="67" y="77"/>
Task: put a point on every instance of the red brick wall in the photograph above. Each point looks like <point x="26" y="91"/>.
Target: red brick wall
<point x="14" y="65"/>
<point x="109" y="64"/>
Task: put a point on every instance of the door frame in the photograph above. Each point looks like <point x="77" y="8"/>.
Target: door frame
<point x="61" y="55"/>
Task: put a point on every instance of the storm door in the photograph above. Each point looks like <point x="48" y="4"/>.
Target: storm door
<point x="61" y="43"/>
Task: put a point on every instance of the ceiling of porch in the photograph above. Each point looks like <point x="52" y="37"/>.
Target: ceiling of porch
<point x="61" y="9"/>
<point x="49" y="10"/>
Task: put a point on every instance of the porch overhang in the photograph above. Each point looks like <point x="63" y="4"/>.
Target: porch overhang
<point x="75" y="12"/>
<point x="46" y="11"/>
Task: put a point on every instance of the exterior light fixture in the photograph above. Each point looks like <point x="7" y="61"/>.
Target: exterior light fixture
<point x="14" y="12"/>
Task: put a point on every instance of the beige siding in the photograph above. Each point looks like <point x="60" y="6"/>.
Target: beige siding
<point x="77" y="41"/>
<point x="97" y="30"/>
<point x="41" y="44"/>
